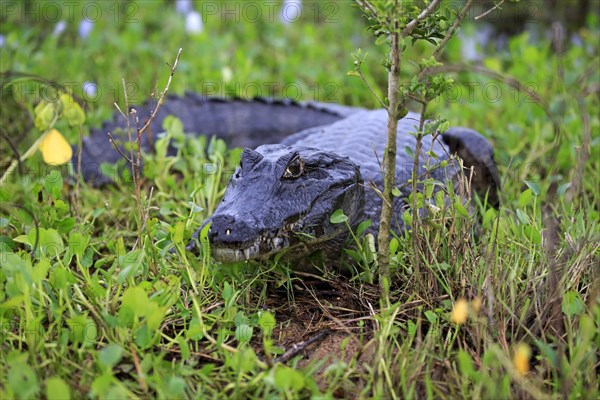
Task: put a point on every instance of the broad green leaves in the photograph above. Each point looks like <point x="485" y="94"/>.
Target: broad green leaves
<point x="572" y="304"/>
<point x="338" y="217"/>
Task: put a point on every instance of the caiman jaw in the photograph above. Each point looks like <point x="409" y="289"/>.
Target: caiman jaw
<point x="264" y="246"/>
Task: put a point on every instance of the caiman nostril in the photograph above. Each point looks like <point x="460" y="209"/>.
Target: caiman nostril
<point x="222" y="228"/>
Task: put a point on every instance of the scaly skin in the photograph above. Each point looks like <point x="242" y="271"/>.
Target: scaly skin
<point x="282" y="195"/>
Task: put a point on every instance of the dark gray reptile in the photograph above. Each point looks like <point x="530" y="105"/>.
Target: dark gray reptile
<point x="282" y="195"/>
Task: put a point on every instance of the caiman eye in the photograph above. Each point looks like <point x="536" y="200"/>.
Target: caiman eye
<point x="294" y="169"/>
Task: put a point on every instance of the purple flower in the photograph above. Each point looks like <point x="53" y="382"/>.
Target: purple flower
<point x="85" y="27"/>
<point x="90" y="89"/>
<point x="59" y="28"/>
<point x="183" y="7"/>
<point x="291" y="10"/>
<point x="193" y="23"/>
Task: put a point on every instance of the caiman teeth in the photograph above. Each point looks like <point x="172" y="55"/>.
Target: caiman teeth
<point x="266" y="243"/>
<point x="276" y="242"/>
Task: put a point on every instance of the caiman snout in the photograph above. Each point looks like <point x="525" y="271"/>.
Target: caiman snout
<point x="227" y="229"/>
<point x="235" y="239"/>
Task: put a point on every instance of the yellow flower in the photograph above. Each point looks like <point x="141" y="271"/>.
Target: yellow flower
<point x="460" y="311"/>
<point x="476" y="304"/>
<point x="521" y="358"/>
<point x="55" y="149"/>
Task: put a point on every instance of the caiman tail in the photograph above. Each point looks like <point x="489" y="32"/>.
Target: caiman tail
<point x="240" y="122"/>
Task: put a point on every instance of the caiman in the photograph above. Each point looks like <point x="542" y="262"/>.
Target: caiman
<point x="326" y="157"/>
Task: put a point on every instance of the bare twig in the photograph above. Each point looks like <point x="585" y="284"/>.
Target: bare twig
<point x="127" y="116"/>
<point x="426" y="12"/>
<point x="161" y="98"/>
<point x="5" y="137"/>
<point x="489" y="11"/>
<point x="117" y="148"/>
<point x="298" y="347"/>
<point x="362" y="76"/>
<point x="453" y="28"/>
<point x="34" y="147"/>
<point x="368" y="6"/>
<point x="136" y="163"/>
<point x="415" y="217"/>
<point x="138" y="369"/>
<point x="146" y="217"/>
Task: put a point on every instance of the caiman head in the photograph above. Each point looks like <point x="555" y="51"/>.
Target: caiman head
<point x="281" y="198"/>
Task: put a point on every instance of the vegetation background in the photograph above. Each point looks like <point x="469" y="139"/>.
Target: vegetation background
<point x="87" y="308"/>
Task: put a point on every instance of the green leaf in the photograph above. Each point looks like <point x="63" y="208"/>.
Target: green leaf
<point x="178" y="232"/>
<point x="562" y="189"/>
<point x="184" y="348"/>
<point x="40" y="271"/>
<point x="194" y="207"/>
<point x="523" y="218"/>
<point x="53" y="183"/>
<point x="429" y="190"/>
<point x="240" y="318"/>
<point x="411" y="328"/>
<point x="380" y="40"/>
<point x="363" y="226"/>
<point x="6" y="244"/>
<point x="23" y="239"/>
<point x="57" y="389"/>
<point x="175" y="386"/>
<point x="173" y="126"/>
<point x="65" y="225"/>
<point x="143" y="336"/>
<point x="131" y="263"/>
<point x="526" y="198"/>
<point x="431" y="316"/>
<point x="465" y="363"/>
<point x="587" y="328"/>
<point x="287" y="378"/>
<point x="338" y="217"/>
<point x="23" y="381"/>
<point x="535" y="187"/>
<point x="136" y="299"/>
<point x="547" y="351"/>
<point x="461" y="209"/>
<point x="75" y="115"/>
<point x="242" y="361"/>
<point x="407" y="218"/>
<point x="102" y="384"/>
<point x="227" y="292"/>
<point x="572" y="304"/>
<point x="44" y="115"/>
<point x="493" y="64"/>
<point x="154" y="315"/>
<point x="243" y="333"/>
<point x="396" y="192"/>
<point x="50" y="243"/>
<point x="109" y="356"/>
<point x="267" y="322"/>
<point x="82" y="330"/>
<point x="78" y="243"/>
<point x="489" y="216"/>
<point x="532" y="233"/>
